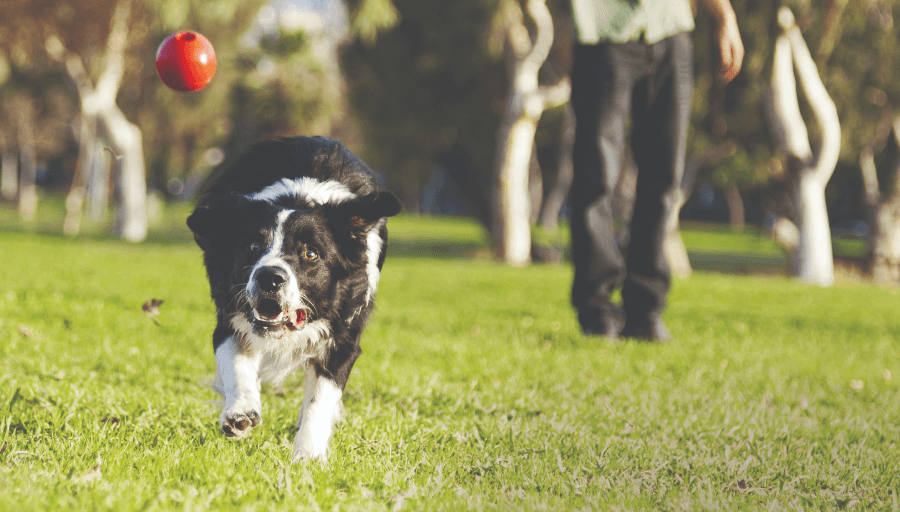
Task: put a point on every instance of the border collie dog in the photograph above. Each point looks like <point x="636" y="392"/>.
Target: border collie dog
<point x="293" y="237"/>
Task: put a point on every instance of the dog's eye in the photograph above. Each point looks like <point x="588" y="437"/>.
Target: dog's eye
<point x="255" y="246"/>
<point x="311" y="255"/>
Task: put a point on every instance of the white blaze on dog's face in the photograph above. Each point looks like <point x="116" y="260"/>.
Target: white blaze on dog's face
<point x="272" y="287"/>
<point x="288" y="263"/>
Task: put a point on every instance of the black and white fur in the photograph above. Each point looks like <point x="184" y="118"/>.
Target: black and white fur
<point x="294" y="237"/>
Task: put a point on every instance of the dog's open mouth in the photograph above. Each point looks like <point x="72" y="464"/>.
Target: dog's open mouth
<point x="268" y="314"/>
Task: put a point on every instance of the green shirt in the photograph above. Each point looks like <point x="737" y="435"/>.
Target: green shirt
<point x="622" y="21"/>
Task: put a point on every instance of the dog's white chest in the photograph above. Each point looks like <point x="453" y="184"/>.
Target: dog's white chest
<point x="282" y="356"/>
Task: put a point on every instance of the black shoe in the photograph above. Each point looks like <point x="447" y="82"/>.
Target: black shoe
<point x="606" y="324"/>
<point x="649" y="328"/>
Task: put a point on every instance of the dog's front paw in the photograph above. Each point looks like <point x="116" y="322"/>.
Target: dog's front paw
<point x="306" y="448"/>
<point x="237" y="421"/>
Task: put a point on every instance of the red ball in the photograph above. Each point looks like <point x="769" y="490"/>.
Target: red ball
<point x="186" y="61"/>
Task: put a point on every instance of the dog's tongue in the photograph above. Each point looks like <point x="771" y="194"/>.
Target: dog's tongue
<point x="296" y="318"/>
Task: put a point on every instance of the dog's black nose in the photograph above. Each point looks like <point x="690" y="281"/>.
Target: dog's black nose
<point x="270" y="279"/>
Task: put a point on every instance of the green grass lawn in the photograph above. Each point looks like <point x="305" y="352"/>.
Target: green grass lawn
<point x="475" y="389"/>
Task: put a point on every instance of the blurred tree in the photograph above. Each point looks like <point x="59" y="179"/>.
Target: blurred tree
<point x="270" y="82"/>
<point x="526" y="101"/>
<point x="35" y="107"/>
<point x="72" y="34"/>
<point x="428" y="92"/>
<point x="858" y="53"/>
<point x="9" y="165"/>
<point x="808" y="170"/>
<point x="862" y="53"/>
<point x="728" y="122"/>
<point x="281" y="89"/>
<point x="881" y="176"/>
<point x="673" y="246"/>
<point x="856" y="48"/>
<point x="370" y="17"/>
<point x="556" y="198"/>
<point x="429" y="95"/>
<point x="9" y="157"/>
<point x="22" y="112"/>
<point x="98" y="105"/>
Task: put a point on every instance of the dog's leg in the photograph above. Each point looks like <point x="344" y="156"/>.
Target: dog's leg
<point x="238" y="378"/>
<point x="320" y="412"/>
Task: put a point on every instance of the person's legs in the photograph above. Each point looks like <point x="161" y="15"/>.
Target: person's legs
<point x="660" y="115"/>
<point x="602" y="79"/>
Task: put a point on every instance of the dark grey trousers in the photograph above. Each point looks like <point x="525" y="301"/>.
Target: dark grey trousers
<point x="653" y="85"/>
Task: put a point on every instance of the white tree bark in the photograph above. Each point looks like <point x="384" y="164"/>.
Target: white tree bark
<point x="131" y="216"/>
<point x="812" y="261"/>
<point x="673" y="246"/>
<point x="98" y="182"/>
<point x="526" y="101"/>
<point x="98" y="101"/>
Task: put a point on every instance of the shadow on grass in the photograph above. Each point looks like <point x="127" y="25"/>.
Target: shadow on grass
<point x="739" y="263"/>
<point x="440" y="249"/>
<point x="154" y="237"/>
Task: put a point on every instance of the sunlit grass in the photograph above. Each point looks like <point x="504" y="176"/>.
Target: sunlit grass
<point x="475" y="390"/>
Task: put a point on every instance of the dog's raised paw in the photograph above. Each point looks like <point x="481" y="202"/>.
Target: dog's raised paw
<point x="237" y="424"/>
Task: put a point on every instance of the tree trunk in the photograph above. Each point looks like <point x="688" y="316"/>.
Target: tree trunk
<point x="99" y="100"/>
<point x="131" y="214"/>
<point x="813" y="261"/>
<point x="673" y="246"/>
<point x="24" y="119"/>
<point x="883" y="209"/>
<point x="87" y="136"/>
<point x="623" y="198"/>
<point x="9" y="174"/>
<point x="885" y="251"/>
<point x="735" y="207"/>
<point x="535" y="186"/>
<point x="28" y="198"/>
<point x="526" y="101"/>
<point x="511" y="202"/>
<point x="832" y="32"/>
<point x="809" y="173"/>
<point x="557" y="197"/>
<point x="98" y="182"/>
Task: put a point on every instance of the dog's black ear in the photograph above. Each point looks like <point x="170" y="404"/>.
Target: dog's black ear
<point x="358" y="215"/>
<point x="217" y="219"/>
